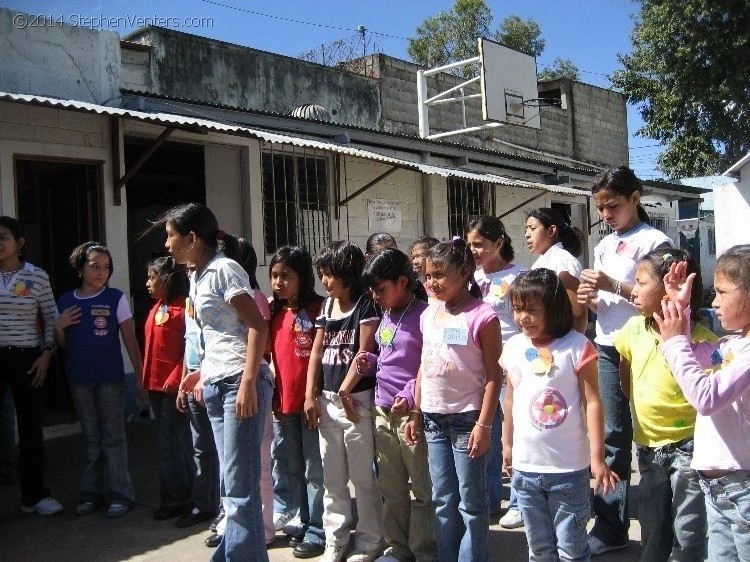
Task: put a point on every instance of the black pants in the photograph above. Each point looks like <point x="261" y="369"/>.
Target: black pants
<point x="15" y="363"/>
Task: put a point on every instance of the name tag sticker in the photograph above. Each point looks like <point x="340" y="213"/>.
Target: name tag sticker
<point x="456" y="336"/>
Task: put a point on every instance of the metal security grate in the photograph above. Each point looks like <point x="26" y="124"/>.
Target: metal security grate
<point x="659" y="221"/>
<point x="466" y="199"/>
<point x="295" y="199"/>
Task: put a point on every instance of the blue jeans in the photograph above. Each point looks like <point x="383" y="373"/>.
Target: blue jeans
<point x="495" y="462"/>
<point x="612" y="523"/>
<point x="175" y="479"/>
<point x="555" y="509"/>
<point x="205" y="492"/>
<point x="302" y="447"/>
<point x="238" y="444"/>
<point x="728" y="507"/>
<point x="286" y="496"/>
<point x="671" y="505"/>
<point x="100" y="407"/>
<point x="459" y="488"/>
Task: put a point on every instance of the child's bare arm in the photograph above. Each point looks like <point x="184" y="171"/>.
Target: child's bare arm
<point x="489" y="339"/>
<point x="314" y="369"/>
<point x="413" y="428"/>
<point x="508" y="429"/>
<point x="366" y="343"/>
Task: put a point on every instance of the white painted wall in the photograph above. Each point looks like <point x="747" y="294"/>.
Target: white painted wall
<point x="732" y="212"/>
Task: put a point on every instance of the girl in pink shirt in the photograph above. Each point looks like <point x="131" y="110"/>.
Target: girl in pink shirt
<point x="458" y="386"/>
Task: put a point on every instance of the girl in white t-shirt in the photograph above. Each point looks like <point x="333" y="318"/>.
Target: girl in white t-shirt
<point x="558" y="245"/>
<point x="551" y="403"/>
<point x="606" y="290"/>
<point x="493" y="253"/>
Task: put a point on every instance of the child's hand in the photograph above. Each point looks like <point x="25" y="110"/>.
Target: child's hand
<point x="673" y="321"/>
<point x="479" y="441"/>
<point x="677" y="285"/>
<point x="169" y="388"/>
<point x="508" y="460"/>
<point x="141" y="394"/>
<point x="365" y="363"/>
<point x="400" y="406"/>
<point x="413" y="429"/>
<point x="596" y="280"/>
<point x="603" y="476"/>
<point x="68" y="317"/>
<point x="586" y="293"/>
<point x="181" y="401"/>
<point x="350" y="407"/>
<point x="198" y="394"/>
<point x="312" y="413"/>
<point x="246" y="404"/>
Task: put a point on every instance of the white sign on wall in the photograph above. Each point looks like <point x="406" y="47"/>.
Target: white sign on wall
<point x="384" y="216"/>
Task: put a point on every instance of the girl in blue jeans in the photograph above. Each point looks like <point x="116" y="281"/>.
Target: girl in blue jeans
<point x="458" y="386"/>
<point x="237" y="383"/>
<point x="552" y="377"/>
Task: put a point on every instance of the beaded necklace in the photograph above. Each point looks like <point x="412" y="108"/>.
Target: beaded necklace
<point x="386" y="336"/>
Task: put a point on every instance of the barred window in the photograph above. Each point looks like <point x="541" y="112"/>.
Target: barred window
<point x="466" y="199"/>
<point x="659" y="221"/>
<point x="295" y="200"/>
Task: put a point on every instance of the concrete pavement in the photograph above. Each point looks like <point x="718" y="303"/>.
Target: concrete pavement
<point x="94" y="538"/>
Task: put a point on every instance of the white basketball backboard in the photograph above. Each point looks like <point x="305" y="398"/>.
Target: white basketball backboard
<point x="508" y="80"/>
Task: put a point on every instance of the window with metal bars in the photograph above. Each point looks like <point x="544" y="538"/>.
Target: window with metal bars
<point x="295" y="200"/>
<point x="659" y="221"/>
<point x="466" y="199"/>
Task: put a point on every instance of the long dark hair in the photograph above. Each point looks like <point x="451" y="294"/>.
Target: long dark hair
<point x="345" y="261"/>
<point x="570" y="237"/>
<point x="389" y="265"/>
<point x="543" y="286"/>
<point x="171" y="276"/>
<point x="621" y="181"/>
<point x="492" y="228"/>
<point x="248" y="259"/>
<point x="298" y="260"/>
<point x="457" y="255"/>
<point x="17" y="231"/>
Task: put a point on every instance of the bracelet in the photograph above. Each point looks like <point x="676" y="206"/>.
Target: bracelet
<point x="50" y="348"/>
<point x="483" y="425"/>
<point x="617" y="287"/>
<point x="415" y="411"/>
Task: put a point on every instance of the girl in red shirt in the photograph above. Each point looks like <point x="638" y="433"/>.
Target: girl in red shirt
<point x="164" y="346"/>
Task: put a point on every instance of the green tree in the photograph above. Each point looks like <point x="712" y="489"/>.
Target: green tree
<point x="689" y="74"/>
<point x="560" y="68"/>
<point x="520" y="35"/>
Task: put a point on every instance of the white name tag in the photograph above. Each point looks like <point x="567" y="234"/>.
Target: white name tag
<point x="456" y="336"/>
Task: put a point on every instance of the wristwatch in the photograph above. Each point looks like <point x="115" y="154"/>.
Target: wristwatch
<point x="49" y="347"/>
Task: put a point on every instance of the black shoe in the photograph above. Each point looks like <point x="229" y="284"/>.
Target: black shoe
<point x="168" y="512"/>
<point x="308" y="550"/>
<point x="294" y="540"/>
<point x="215" y="522"/>
<point x="213" y="541"/>
<point x="194" y="517"/>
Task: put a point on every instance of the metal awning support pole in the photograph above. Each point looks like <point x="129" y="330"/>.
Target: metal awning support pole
<point x="142" y="160"/>
<point x="369" y="185"/>
<point x="423" y="112"/>
<point x="537" y="196"/>
<point x="115" y="129"/>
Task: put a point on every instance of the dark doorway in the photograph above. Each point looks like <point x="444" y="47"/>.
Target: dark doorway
<point x="59" y="206"/>
<point x="174" y="174"/>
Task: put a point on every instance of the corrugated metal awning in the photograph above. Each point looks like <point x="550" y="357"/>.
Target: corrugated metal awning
<point x="182" y="121"/>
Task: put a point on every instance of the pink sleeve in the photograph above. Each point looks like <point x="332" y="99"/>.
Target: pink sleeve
<point x="262" y="302"/>
<point x="587" y="356"/>
<point x="478" y="318"/>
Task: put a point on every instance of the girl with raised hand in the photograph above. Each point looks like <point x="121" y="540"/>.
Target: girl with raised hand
<point x="606" y="290"/>
<point x="553" y="430"/>
<point x="237" y="382"/>
<point x="408" y="526"/>
<point x="92" y="320"/>
<point x="558" y="245"/>
<point x="457" y="391"/>
<point x="721" y="395"/>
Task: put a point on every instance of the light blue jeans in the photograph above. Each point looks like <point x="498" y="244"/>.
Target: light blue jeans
<point x="728" y="507"/>
<point x="555" y="509"/>
<point x="286" y="497"/>
<point x="495" y="462"/>
<point x="238" y="445"/>
<point x="671" y="504"/>
<point x="459" y="488"/>
<point x="105" y="470"/>
<point x="302" y="448"/>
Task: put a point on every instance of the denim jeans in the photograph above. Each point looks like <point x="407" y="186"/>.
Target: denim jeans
<point x="238" y="444"/>
<point x="286" y="496"/>
<point x="205" y="493"/>
<point x="459" y="488"/>
<point x="14" y="365"/>
<point x="175" y="478"/>
<point x="495" y="462"/>
<point x="728" y="507"/>
<point x="100" y="407"/>
<point x="671" y="505"/>
<point x="611" y="510"/>
<point x="555" y="509"/>
<point x="302" y="447"/>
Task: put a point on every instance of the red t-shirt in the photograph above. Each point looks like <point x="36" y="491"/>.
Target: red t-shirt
<point x="164" y="345"/>
<point x="292" y="335"/>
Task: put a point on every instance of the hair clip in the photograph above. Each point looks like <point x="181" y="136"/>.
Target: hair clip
<point x="456" y="241"/>
<point x="666" y="258"/>
<point x="220" y="234"/>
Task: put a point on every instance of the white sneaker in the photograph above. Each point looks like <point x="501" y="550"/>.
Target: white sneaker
<point x="281" y="519"/>
<point x="512" y="519"/>
<point x="47" y="506"/>
<point x="334" y="554"/>
<point x="294" y="527"/>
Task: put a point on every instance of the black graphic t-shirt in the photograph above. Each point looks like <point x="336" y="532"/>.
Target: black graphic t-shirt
<point x="341" y="342"/>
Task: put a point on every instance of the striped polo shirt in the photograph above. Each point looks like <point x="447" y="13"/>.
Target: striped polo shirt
<point x="27" y="309"/>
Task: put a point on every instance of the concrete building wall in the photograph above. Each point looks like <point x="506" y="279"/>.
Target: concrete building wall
<point x="731" y="209"/>
<point x="188" y="66"/>
<point x="58" y="60"/>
